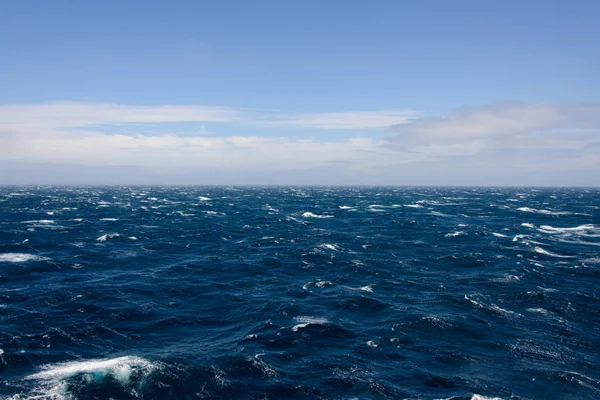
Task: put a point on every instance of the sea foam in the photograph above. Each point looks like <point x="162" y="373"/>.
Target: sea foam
<point x="53" y="378"/>
<point x="308" y="214"/>
<point x="20" y="257"/>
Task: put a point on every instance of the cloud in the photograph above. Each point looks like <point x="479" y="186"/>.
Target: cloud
<point x="63" y="115"/>
<point x="513" y="125"/>
<point x="171" y="151"/>
<point x="28" y="118"/>
<point x="479" y="145"/>
<point x="66" y="132"/>
<point x="341" y="120"/>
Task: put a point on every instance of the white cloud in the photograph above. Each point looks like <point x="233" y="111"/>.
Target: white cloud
<point x="61" y="115"/>
<point x="61" y="132"/>
<point x="27" y="118"/>
<point x="341" y="120"/>
<point x="170" y="151"/>
<point x="509" y="139"/>
<point x="514" y="125"/>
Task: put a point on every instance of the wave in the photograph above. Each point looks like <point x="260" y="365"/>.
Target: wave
<point x="439" y="214"/>
<point x="581" y="229"/>
<point x="288" y="218"/>
<point x="262" y="366"/>
<point x="456" y="234"/>
<point x="308" y="214"/>
<point x="20" y="257"/>
<point x="328" y="246"/>
<point x="306" y="321"/>
<point x="548" y="253"/>
<point x="121" y="368"/>
<point x="107" y="236"/>
<point x="493" y="307"/>
<point x="53" y="378"/>
<point x="368" y="288"/>
<point x="547" y="212"/>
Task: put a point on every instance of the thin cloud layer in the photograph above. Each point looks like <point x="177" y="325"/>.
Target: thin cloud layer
<point x="342" y="120"/>
<point x="64" y="115"/>
<point x="508" y="139"/>
<point x="505" y="125"/>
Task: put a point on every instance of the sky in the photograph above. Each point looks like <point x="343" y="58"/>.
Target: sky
<point x="495" y="93"/>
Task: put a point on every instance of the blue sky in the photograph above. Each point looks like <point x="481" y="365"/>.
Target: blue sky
<point x="323" y="92"/>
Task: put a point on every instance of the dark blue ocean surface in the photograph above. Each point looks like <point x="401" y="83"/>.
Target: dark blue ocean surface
<point x="299" y="293"/>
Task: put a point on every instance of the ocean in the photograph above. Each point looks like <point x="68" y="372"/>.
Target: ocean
<point x="299" y="293"/>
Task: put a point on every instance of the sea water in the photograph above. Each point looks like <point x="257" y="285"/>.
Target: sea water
<point x="299" y="293"/>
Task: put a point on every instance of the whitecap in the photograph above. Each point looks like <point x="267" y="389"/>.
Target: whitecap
<point x="305" y="321"/>
<point x="52" y="377"/>
<point x="539" y="310"/>
<point x="329" y="246"/>
<point x="493" y="307"/>
<point x="109" y="219"/>
<point x="455" y="234"/>
<point x="107" y="236"/>
<point x="371" y="343"/>
<point x="39" y="221"/>
<point x="202" y="198"/>
<point x="548" y="253"/>
<point x="321" y="284"/>
<point x="368" y="288"/>
<point x="308" y="214"/>
<point x="480" y="397"/>
<point x="528" y="225"/>
<point x="346" y="207"/>
<point x="547" y="212"/>
<point x="20" y="257"/>
<point x="120" y="368"/>
<point x="581" y="229"/>
<point x="413" y="205"/>
<point x="533" y="210"/>
<point x="288" y="218"/>
<point x="507" y="278"/>
<point x="499" y="235"/>
<point x="263" y="366"/>
<point x="439" y="214"/>
<point x="517" y="237"/>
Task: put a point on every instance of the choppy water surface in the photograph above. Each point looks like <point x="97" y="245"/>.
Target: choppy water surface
<point x="325" y="293"/>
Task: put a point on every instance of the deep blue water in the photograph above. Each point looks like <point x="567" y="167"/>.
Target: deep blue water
<point x="299" y="293"/>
